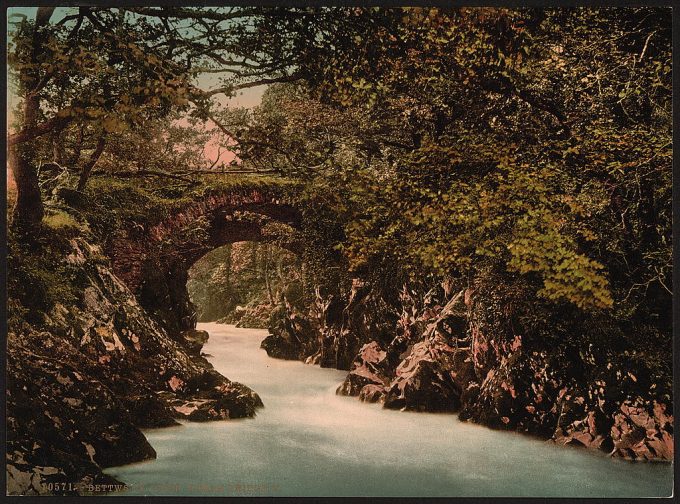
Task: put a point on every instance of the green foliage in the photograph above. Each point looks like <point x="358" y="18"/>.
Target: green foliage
<point x="60" y="220"/>
<point x="143" y="202"/>
<point x="532" y="142"/>
<point x="532" y="146"/>
<point x="40" y="277"/>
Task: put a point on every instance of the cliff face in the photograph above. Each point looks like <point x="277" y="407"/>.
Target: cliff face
<point x="473" y="352"/>
<point x="83" y="381"/>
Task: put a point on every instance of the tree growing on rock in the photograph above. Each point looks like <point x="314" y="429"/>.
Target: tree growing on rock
<point x="117" y="68"/>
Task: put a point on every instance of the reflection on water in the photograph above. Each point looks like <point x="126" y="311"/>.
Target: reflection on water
<point x="307" y="441"/>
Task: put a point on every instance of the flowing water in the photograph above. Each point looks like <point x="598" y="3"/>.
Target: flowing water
<point x="307" y="441"/>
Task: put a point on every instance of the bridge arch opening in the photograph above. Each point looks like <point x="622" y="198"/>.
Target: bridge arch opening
<point x="241" y="283"/>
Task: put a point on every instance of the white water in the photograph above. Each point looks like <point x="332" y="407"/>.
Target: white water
<point x="307" y="441"/>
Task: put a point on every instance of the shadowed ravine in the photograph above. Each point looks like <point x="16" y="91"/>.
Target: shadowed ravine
<point x="309" y="442"/>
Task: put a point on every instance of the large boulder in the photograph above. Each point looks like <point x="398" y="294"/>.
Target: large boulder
<point x="226" y="400"/>
<point x="280" y="348"/>
<point x="431" y="378"/>
<point x="292" y="335"/>
<point x="149" y="410"/>
<point x="371" y="367"/>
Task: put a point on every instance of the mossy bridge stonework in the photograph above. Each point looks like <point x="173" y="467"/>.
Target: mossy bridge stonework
<point x="154" y="260"/>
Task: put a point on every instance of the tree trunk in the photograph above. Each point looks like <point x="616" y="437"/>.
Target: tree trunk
<point x="267" y="255"/>
<point x="27" y="213"/>
<point x="87" y="169"/>
<point x="28" y="210"/>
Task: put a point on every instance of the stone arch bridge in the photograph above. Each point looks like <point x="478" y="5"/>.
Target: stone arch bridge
<point x="154" y="261"/>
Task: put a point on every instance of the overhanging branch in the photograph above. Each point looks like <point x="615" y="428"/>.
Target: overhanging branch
<point x="55" y="124"/>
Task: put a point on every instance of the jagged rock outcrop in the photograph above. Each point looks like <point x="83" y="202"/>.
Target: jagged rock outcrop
<point x="82" y="382"/>
<point x="194" y="340"/>
<point x="63" y="424"/>
<point x="333" y="331"/>
<point x="370" y="369"/>
<point x="637" y="429"/>
<point x="463" y="352"/>
<point x="643" y="431"/>
<point x="431" y="378"/>
<point x="293" y="336"/>
<point x="573" y="393"/>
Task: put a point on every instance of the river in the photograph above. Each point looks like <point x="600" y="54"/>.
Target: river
<point x="307" y="441"/>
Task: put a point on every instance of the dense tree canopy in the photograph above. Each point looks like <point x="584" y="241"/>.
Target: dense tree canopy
<point x="486" y="141"/>
<point x="527" y="146"/>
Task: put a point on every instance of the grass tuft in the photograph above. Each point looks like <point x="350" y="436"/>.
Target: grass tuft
<point x="60" y="220"/>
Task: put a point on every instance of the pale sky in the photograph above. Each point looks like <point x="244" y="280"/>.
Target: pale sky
<point x="248" y="98"/>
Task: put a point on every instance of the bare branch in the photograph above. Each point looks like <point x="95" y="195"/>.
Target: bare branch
<point x="219" y="155"/>
<point x="185" y="13"/>
<point x="229" y="89"/>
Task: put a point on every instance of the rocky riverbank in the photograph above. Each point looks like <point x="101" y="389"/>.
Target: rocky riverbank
<point x="464" y="351"/>
<point x="85" y="378"/>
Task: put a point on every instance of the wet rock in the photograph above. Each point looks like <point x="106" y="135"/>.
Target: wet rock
<point x="519" y="394"/>
<point x="293" y="335"/>
<point x="204" y="382"/>
<point x="372" y="393"/>
<point x="230" y="400"/>
<point x="579" y="426"/>
<point x="71" y="477"/>
<point x="370" y="367"/>
<point x="62" y="418"/>
<point x="194" y="340"/>
<point x="345" y="326"/>
<point x="209" y="411"/>
<point x="150" y="411"/>
<point x="224" y="400"/>
<point x="643" y="431"/>
<point x="425" y="380"/>
<point x="280" y="348"/>
<point x="333" y="330"/>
